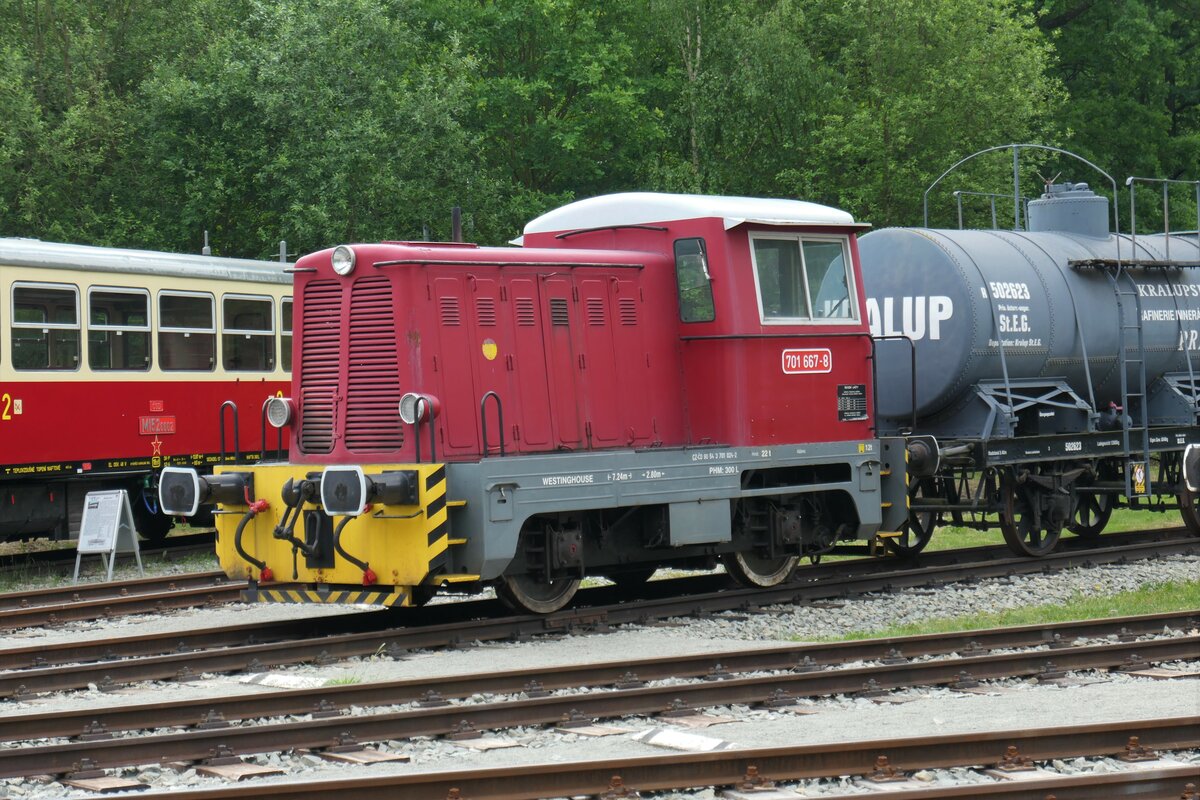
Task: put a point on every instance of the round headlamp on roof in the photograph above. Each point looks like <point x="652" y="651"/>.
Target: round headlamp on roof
<point x="343" y="260"/>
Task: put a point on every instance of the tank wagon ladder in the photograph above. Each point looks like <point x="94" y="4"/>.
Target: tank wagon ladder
<point x="1128" y="299"/>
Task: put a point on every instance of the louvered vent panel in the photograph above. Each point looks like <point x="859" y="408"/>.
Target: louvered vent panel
<point x="627" y="308"/>
<point x="319" y="363"/>
<point x="558" y="311"/>
<point x="373" y="378"/>
<point x="595" y="311"/>
<point x="526" y="317"/>
<point x="485" y="311"/>
<point x="450" y="312"/>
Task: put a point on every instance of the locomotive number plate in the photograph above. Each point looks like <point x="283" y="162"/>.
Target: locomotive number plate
<point x="809" y="360"/>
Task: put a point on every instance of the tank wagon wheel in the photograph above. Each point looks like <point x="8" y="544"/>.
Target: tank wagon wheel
<point x="1189" y="508"/>
<point x="756" y="571"/>
<point x="1092" y="512"/>
<point x="918" y="530"/>
<point x="526" y="593"/>
<point x="1016" y="523"/>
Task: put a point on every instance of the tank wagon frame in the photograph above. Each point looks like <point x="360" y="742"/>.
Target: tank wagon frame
<point x="1067" y="380"/>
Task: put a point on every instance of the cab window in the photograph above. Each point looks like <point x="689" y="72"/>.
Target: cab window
<point x="119" y="329"/>
<point x="187" y="333"/>
<point x="45" y="326"/>
<point x="803" y="278"/>
<point x="694" y="281"/>
<point x="247" y="333"/>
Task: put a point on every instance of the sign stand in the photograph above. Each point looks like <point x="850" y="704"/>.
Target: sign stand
<point x="107" y="529"/>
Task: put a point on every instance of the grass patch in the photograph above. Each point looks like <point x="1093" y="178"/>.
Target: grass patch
<point x="951" y="537"/>
<point x="1151" y="599"/>
<point x="346" y="680"/>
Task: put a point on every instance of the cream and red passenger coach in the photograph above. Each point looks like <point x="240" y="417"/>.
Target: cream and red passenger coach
<point x="649" y="380"/>
<point x="114" y="363"/>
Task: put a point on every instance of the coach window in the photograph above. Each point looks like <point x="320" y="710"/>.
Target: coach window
<point x="45" y="326"/>
<point x="695" y="284"/>
<point x="247" y="333"/>
<point x="119" y="329"/>
<point x="285" y="333"/>
<point x="803" y="278"/>
<point x="187" y="332"/>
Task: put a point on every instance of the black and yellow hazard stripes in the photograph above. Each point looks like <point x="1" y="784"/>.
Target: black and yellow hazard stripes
<point x="402" y="546"/>
<point x="383" y="596"/>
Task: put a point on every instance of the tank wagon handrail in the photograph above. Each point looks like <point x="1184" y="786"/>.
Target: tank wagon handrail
<point x="1166" y="183"/>
<point x="262" y="454"/>
<point x="499" y="419"/>
<point x="1016" y="148"/>
<point x="842" y="335"/>
<point x="237" y="454"/>
<point x="958" y="196"/>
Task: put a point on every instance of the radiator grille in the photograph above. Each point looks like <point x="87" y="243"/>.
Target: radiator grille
<point x="595" y="311"/>
<point x="628" y="310"/>
<point x="485" y="311"/>
<point x="558" y="311"/>
<point x="319" y="364"/>
<point x="373" y="374"/>
<point x="451" y="316"/>
<point x="526" y="317"/>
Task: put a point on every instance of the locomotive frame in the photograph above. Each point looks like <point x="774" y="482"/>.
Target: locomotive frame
<point x="99" y="391"/>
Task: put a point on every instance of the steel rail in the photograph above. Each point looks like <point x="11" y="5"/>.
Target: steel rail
<point x="323" y="732"/>
<point x="257" y="656"/>
<point x="143" y="716"/>
<point x="213" y="594"/>
<point x="27" y="598"/>
<point x="728" y="767"/>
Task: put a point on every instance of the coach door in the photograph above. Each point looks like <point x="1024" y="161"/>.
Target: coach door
<point x="557" y="294"/>
<point x="530" y="420"/>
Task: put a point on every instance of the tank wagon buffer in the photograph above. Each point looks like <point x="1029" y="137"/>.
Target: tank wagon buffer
<point x="1056" y="369"/>
<point x="650" y="380"/>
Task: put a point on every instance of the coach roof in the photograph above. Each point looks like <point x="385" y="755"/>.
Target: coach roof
<point x="53" y="255"/>
<point x="647" y="208"/>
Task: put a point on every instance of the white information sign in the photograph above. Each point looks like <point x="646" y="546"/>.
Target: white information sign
<point x="107" y="529"/>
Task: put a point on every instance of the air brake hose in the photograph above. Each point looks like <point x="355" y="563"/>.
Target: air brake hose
<point x="369" y="576"/>
<point x="255" y="508"/>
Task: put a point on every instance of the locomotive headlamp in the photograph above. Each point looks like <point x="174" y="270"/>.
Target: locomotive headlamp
<point x="416" y="408"/>
<point x="280" y="411"/>
<point x="182" y="490"/>
<point x="343" y="260"/>
<point x="346" y="491"/>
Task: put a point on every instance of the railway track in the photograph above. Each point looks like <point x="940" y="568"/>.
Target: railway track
<point x="82" y="602"/>
<point x="741" y="766"/>
<point x="102" y="600"/>
<point x="809" y="662"/>
<point x="172" y="655"/>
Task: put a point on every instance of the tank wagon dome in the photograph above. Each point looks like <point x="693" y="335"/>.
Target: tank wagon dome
<point x="643" y="208"/>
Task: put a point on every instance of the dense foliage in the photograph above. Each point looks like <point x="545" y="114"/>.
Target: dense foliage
<point x="146" y="122"/>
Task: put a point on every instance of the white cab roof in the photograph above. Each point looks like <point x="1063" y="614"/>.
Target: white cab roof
<point x="645" y="208"/>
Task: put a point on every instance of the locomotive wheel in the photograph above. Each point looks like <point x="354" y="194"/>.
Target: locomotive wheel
<point x="525" y="593"/>
<point x="917" y="532"/>
<point x="1091" y="515"/>
<point x="1189" y="508"/>
<point x="1016" y="523"/>
<point x="755" y="571"/>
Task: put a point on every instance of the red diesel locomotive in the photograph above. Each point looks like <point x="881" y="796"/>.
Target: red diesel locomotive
<point x="650" y="380"/>
<point x="115" y="363"/>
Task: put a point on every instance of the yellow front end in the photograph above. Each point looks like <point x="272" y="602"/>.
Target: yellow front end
<point x="401" y="545"/>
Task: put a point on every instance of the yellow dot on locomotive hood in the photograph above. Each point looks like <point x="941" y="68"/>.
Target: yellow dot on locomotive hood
<point x="489" y="349"/>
